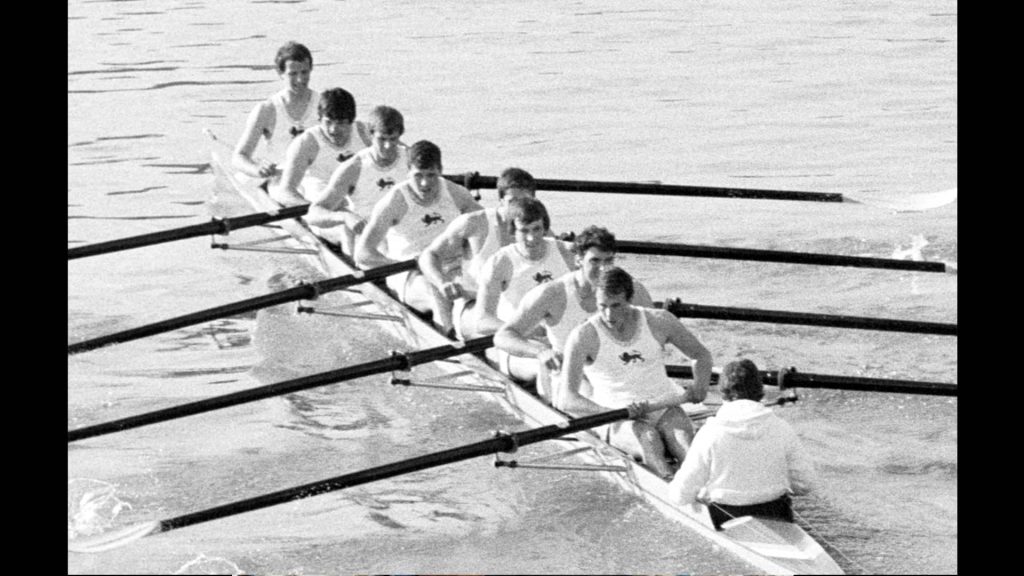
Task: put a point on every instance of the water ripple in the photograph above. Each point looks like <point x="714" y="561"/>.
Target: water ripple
<point x="189" y="168"/>
<point x="140" y="191"/>
<point x="157" y="217"/>
<point x="112" y="70"/>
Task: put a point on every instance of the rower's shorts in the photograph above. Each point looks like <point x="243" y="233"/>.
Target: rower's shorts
<point x="779" y="509"/>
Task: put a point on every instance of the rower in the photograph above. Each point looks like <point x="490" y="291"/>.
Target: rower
<point x="621" y="351"/>
<point x="313" y="156"/>
<point x="744" y="461"/>
<point x="473" y="238"/>
<point x="409" y="216"/>
<point x="560" y="306"/>
<point x="339" y="211"/>
<point x="532" y="259"/>
<point x="278" y="119"/>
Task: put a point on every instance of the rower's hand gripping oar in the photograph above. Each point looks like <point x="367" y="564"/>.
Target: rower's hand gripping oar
<point x="394" y="362"/>
<point x="503" y="442"/>
<point x="305" y="291"/>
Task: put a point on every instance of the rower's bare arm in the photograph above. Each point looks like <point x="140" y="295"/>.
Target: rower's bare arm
<point x="388" y="210"/>
<point x="494" y="278"/>
<point x="259" y="124"/>
<point x="679" y="336"/>
<point x="511" y="337"/>
<point x="331" y="206"/>
<point x="581" y="345"/>
<point x="301" y="153"/>
<point x="445" y="248"/>
<point x="464" y="201"/>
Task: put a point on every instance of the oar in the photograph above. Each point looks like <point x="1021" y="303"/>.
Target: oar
<point x="394" y="362"/>
<point x="502" y="442"/>
<point x="906" y="203"/>
<point x="474" y="180"/>
<point x="302" y="292"/>
<point x="793" y="379"/>
<point x="686" y="310"/>
<point x="215" y="226"/>
<point x="696" y="251"/>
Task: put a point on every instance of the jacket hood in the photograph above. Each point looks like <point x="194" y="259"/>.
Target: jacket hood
<point x="742" y="418"/>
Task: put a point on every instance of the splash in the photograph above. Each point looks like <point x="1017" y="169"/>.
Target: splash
<point x="204" y="564"/>
<point x="913" y="252"/>
<point x="92" y="507"/>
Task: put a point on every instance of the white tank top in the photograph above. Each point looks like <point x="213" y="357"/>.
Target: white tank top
<point x="287" y="127"/>
<point x="328" y="158"/>
<point x="626" y="372"/>
<point x="471" y="268"/>
<point x="374" y="181"/>
<point x="526" y="274"/>
<point x="421" y="224"/>
<point x="573" y="316"/>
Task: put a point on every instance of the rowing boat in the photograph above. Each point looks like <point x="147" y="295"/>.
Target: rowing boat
<point x="772" y="546"/>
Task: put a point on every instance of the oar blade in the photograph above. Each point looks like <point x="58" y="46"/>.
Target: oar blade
<point x="115" y="539"/>
<point x="911" y="203"/>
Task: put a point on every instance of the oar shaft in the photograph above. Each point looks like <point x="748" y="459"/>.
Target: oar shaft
<point x="235" y="308"/>
<point x="501" y="443"/>
<point x="685" y="310"/>
<point x="473" y="180"/>
<point x="281" y="388"/>
<point x="757" y="255"/>
<point x="836" y="382"/>
<point x="302" y="292"/>
<point x="215" y="226"/>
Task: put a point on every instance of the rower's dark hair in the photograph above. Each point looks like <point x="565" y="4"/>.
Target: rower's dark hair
<point x="740" y="380"/>
<point x="593" y="237"/>
<point x="337" y="104"/>
<point x="385" y="119"/>
<point x="292" y="51"/>
<point x="526" y="210"/>
<point x="515" y="178"/>
<point x="424" y="155"/>
<point x="616" y="281"/>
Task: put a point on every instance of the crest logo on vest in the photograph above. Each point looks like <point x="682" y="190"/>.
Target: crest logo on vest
<point x="432" y="218"/>
<point x="631" y="357"/>
<point x="385" y="183"/>
<point x="542" y="277"/>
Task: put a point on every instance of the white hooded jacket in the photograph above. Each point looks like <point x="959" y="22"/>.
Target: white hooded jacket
<point x="744" y="455"/>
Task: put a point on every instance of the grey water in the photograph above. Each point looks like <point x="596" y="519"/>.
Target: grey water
<point x="858" y="98"/>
